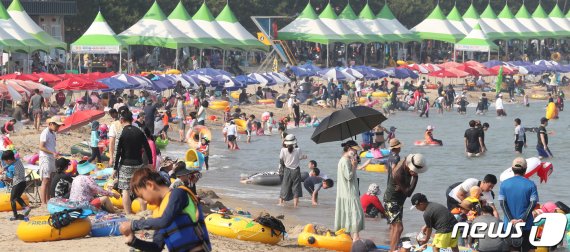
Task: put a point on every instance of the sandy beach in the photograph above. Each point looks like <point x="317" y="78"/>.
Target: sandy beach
<point x="26" y="142"/>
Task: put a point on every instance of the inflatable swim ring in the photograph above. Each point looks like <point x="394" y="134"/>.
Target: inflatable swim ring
<point x="197" y="132"/>
<point x="266" y="101"/>
<point x="241" y="125"/>
<point x="135" y="205"/>
<point x="339" y="241"/>
<point x="218" y="107"/>
<point x="551" y="111"/>
<point x="59" y="204"/>
<point x="84" y="150"/>
<point x="241" y="228"/>
<point x="270" y="179"/>
<point x="219" y="103"/>
<point x="107" y="227"/>
<point x="194" y="160"/>
<point x="375" y="168"/>
<point x="37" y="229"/>
<point x="380" y="94"/>
<point x="33" y="159"/>
<point x="424" y="143"/>
<point x="539" y="96"/>
<point x="5" y="202"/>
<point x="213" y="118"/>
<point x="431" y="86"/>
<point x="72" y="168"/>
<point x="161" y="143"/>
<point x="235" y="95"/>
<point x="368" y="154"/>
<point x="534" y="166"/>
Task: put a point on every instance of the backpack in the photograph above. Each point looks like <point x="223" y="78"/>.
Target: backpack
<point x="64" y="218"/>
<point x="277" y="227"/>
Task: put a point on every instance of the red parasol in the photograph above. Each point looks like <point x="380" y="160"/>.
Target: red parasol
<point x="17" y="76"/>
<point x="506" y="70"/>
<point x="474" y="70"/>
<point x="474" y="64"/>
<point x="78" y="83"/>
<point x="449" y="73"/>
<point x="450" y="64"/>
<point x="80" y="119"/>
<point x="49" y="78"/>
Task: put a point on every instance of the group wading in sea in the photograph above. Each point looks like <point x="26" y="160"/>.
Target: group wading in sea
<point x="140" y="176"/>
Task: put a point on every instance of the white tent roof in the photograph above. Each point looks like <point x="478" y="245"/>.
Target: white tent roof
<point x="205" y="20"/>
<point x="308" y="27"/>
<point x="437" y="27"/>
<point x="228" y="21"/>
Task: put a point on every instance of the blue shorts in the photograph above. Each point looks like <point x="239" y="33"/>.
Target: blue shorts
<point x="543" y="153"/>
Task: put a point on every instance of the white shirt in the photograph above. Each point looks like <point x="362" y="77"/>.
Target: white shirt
<point x="118" y="105"/>
<point x="232" y="130"/>
<point x="358" y="85"/>
<point x="499" y="103"/>
<point x="290" y="102"/>
<point x="291" y="160"/>
<point x="466" y="187"/>
<point x="519" y="132"/>
<point x="48" y="138"/>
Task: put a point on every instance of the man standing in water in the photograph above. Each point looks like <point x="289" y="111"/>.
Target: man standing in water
<point x="542" y="144"/>
<point x="518" y="197"/>
<point x="473" y="140"/>
<point x="402" y="182"/>
<point x="437" y="217"/>
<point x="520" y="136"/>
<point x="499" y="106"/>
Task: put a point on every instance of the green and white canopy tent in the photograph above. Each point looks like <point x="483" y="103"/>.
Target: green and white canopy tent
<point x="471" y="16"/>
<point x="370" y="21"/>
<point x="506" y="17"/>
<point x="9" y="43"/>
<point x="349" y="19"/>
<point x="557" y="16"/>
<point x="228" y="21"/>
<point x="476" y="41"/>
<point x="567" y="16"/>
<point x="437" y="27"/>
<point x="540" y="16"/>
<point x="98" y="39"/>
<point x="387" y="19"/>
<point x="155" y="30"/>
<point x="456" y="20"/>
<point x="329" y="18"/>
<point x="205" y="20"/>
<point x="526" y="20"/>
<point x="183" y="21"/>
<point x="497" y="30"/>
<point x="308" y="27"/>
<point x="8" y="25"/>
<point x="21" y="18"/>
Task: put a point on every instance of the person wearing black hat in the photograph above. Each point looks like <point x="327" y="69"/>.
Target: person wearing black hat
<point x="185" y="177"/>
<point x="61" y="182"/>
<point x="436" y="216"/>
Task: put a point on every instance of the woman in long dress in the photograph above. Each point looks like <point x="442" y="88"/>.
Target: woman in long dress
<point x="348" y="212"/>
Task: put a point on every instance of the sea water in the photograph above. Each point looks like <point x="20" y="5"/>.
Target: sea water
<point x="447" y="164"/>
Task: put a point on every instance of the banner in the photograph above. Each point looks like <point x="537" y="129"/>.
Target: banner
<point x="95" y="49"/>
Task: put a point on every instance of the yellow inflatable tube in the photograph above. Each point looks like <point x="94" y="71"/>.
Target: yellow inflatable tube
<point x="551" y="110"/>
<point x="5" y="202"/>
<point x="380" y="94"/>
<point x="375" y="168"/>
<point x="200" y="131"/>
<point x="241" y="228"/>
<point x="241" y="125"/>
<point x="38" y="230"/>
<point x="339" y="241"/>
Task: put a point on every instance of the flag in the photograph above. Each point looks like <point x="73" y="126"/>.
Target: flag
<point x="499" y="83"/>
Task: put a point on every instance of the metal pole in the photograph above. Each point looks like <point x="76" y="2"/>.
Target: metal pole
<point x="224" y="60"/>
<point x="120" y="60"/>
<point x="327" y="55"/>
<point x="365" y="53"/>
<point x="176" y="59"/>
<point x="200" y="60"/>
<point x="346" y="54"/>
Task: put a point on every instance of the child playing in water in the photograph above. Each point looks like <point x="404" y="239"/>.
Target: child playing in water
<point x="204" y="148"/>
<point x="178" y="220"/>
<point x="429" y="136"/>
<point x="270" y="122"/>
<point x="314" y="183"/>
<point x="249" y="127"/>
<point x="15" y="171"/>
<point x="391" y="134"/>
<point x="462" y="105"/>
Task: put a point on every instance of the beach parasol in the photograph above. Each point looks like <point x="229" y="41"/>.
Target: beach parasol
<point x="474" y="70"/>
<point x="347" y="123"/>
<point x="336" y="75"/>
<point x="78" y="83"/>
<point x="449" y="73"/>
<point x="80" y="119"/>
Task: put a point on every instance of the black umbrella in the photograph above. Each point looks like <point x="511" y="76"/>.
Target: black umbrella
<point x="347" y="123"/>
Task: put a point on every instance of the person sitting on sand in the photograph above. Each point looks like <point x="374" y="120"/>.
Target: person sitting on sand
<point x="314" y="183"/>
<point x="185" y="177"/>
<point x="428" y="136"/>
<point x="179" y="214"/>
<point x="84" y="188"/>
<point x="371" y="203"/>
<point x="167" y="169"/>
<point x="60" y="186"/>
<point x="8" y="127"/>
<point x="15" y="172"/>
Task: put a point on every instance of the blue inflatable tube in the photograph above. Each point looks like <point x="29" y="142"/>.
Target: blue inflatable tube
<point x="107" y="227"/>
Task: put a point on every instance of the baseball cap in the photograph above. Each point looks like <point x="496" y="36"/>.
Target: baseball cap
<point x="519" y="163"/>
<point x="418" y="198"/>
<point x="55" y="119"/>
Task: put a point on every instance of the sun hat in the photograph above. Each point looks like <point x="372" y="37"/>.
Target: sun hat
<point x="416" y="163"/>
<point x="290" y="140"/>
<point x="168" y="162"/>
<point x="429" y="127"/>
<point x="373" y="189"/>
<point x="500" y="95"/>
<point x="183" y="172"/>
<point x="519" y="163"/>
<point x="55" y="119"/>
<point x="85" y="167"/>
<point x="352" y="144"/>
<point x="417" y="199"/>
<point x="395" y="143"/>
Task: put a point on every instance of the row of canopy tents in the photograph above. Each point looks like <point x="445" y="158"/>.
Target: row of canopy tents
<point x="176" y="31"/>
<point x="477" y="31"/>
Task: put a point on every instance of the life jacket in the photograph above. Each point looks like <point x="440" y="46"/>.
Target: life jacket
<point x="188" y="229"/>
<point x="202" y="148"/>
